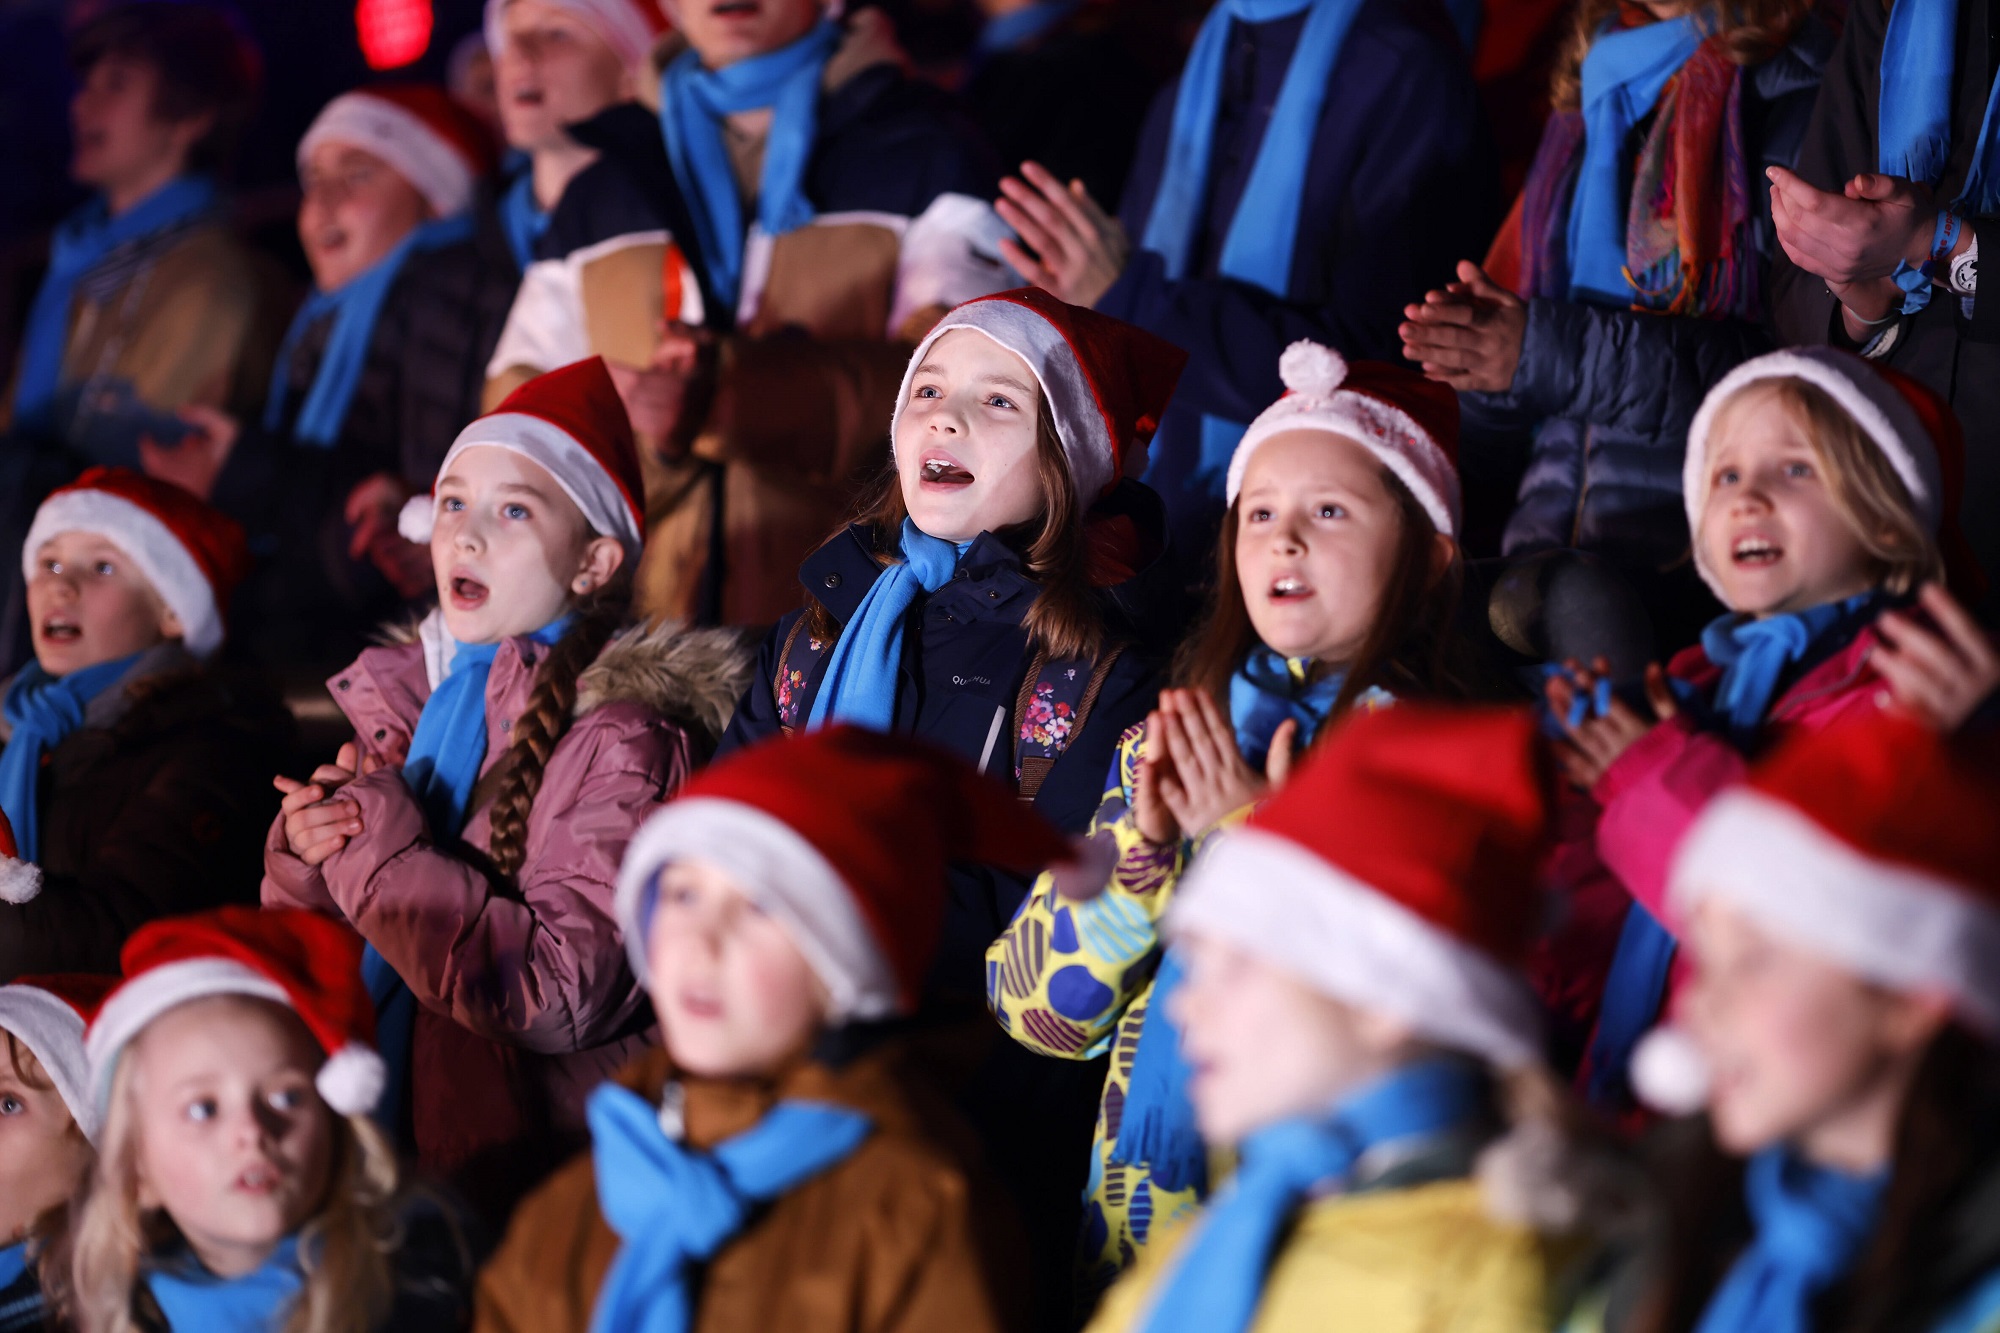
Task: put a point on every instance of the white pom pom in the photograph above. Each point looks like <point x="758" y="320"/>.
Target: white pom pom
<point x="20" y="881"/>
<point x="1670" y="1073"/>
<point x="418" y="518"/>
<point x="1312" y="368"/>
<point x="352" y="1080"/>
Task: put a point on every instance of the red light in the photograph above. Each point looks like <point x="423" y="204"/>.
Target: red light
<point x="393" y="32"/>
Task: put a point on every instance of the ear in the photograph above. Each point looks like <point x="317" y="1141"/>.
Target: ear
<point x="191" y="131"/>
<point x="1381" y="1033"/>
<point x="170" y="623"/>
<point x="601" y="560"/>
<point x="1913" y="1020"/>
<point x="1444" y="550"/>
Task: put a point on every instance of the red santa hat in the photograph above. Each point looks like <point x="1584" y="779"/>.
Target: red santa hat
<point x="307" y="962"/>
<point x="20" y="881"/>
<point x="631" y="28"/>
<point x="431" y="141"/>
<point x="1106" y="382"/>
<point x="1405" y="420"/>
<point x="1396" y="871"/>
<point x="193" y="555"/>
<point x="843" y="835"/>
<point x="48" y="1015"/>
<point x="572" y="422"/>
<point x="1914" y="428"/>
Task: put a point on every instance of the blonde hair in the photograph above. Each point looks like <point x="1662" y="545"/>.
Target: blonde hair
<point x="1863" y="486"/>
<point x="345" y="1248"/>
<point x="49" y="1233"/>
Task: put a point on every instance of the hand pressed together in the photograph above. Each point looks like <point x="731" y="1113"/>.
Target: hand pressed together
<point x="1193" y="776"/>
<point x="1468" y="334"/>
<point x="317" y="823"/>
<point x="1594" y="744"/>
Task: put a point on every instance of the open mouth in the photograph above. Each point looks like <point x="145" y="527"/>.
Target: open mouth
<point x="468" y="593"/>
<point x="57" y="629"/>
<point x="696" y="1004"/>
<point x="261" y="1180"/>
<point x="941" y="470"/>
<point x="735" y="9"/>
<point x="1290" y="589"/>
<point x="1755" y="552"/>
<point x="526" y="97"/>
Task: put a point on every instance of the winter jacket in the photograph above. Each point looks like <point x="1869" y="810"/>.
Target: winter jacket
<point x="528" y="999"/>
<point x="1606" y="396"/>
<point x="1407" y="1249"/>
<point x="900" y="1237"/>
<point x="790" y="418"/>
<point x="155" y="807"/>
<point x="1386" y="214"/>
<point x="1074" y="980"/>
<point x="1954" y="350"/>
<point x="309" y="601"/>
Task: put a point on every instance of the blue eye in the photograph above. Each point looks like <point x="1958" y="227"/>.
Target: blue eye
<point x="1257" y="516"/>
<point x="452" y="505"/>
<point x="515" y="511"/>
<point x="998" y="400"/>
<point x="201" y="1110"/>
<point x="925" y="391"/>
<point x="1332" y="511"/>
<point x="12" y="1105"/>
<point x="1798" y="471"/>
<point x="1726" y="477"/>
<point x="287" y="1099"/>
<point x="104" y="569"/>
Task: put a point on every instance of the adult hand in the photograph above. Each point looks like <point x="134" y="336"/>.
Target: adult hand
<point x="1469" y="334"/>
<point x="316" y="824"/>
<point x="371" y="511"/>
<point x="194" y="463"/>
<point x="1214" y="779"/>
<point x="1596" y="743"/>
<point x="1941" y="672"/>
<point x="1079" y="249"/>
<point x="1861" y="233"/>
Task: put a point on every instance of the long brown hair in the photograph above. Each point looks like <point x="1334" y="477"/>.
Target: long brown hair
<point x="1407" y="648"/>
<point x="1067" y="618"/>
<point x="1752" y="31"/>
<point x="1947" y="1142"/>
<point x="551" y="707"/>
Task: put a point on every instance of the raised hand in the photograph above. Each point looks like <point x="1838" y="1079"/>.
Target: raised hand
<point x="1468" y="334"/>
<point x="1079" y="249"/>
<point x="1941" y="672"/>
<point x="1594" y="744"/>
<point x="1213" y="780"/>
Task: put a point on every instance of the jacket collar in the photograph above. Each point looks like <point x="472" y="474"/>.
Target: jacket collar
<point x="720" y="1108"/>
<point x="840" y="573"/>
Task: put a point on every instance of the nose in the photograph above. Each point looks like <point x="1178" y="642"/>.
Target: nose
<point x="468" y="534"/>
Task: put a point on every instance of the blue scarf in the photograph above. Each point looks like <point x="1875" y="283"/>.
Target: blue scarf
<point x="1219" y="1279"/>
<point x="1264" y="231"/>
<point x="1157" y="1126"/>
<point x="1913" y="139"/>
<point x="675" y="1207"/>
<point x="42" y="710"/>
<point x="1811" y="1224"/>
<point x="1754" y="656"/>
<point x="1623" y="76"/>
<point x="192" y="1298"/>
<point x="81" y="242"/>
<point x="446" y="753"/>
<point x="523" y="220"/>
<point x="13" y="1263"/>
<point x="354" y="307"/>
<point x="1012" y="31"/>
<point x="860" y="681"/>
<point x="693" y="102"/>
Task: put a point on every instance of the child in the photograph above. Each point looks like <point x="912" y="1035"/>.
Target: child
<point x="1817" y="486"/>
<point x="134" y="773"/>
<point x="1337" y="572"/>
<point x="1354" y="1001"/>
<point x="501" y="760"/>
<point x="1630" y="276"/>
<point x="779" y="1165"/>
<point x="1842" y="915"/>
<point x="48" y="1127"/>
<point x="239" y="1182"/>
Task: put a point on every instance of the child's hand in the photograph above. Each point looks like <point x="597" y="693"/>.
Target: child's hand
<point x="1079" y="249"/>
<point x="1940" y="674"/>
<point x="1468" y="335"/>
<point x="1151" y="810"/>
<point x="1214" y="781"/>
<point x="1595" y="743"/>
<point x="317" y="826"/>
<point x="1089" y="869"/>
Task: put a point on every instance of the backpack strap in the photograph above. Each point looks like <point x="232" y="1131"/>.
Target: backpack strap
<point x="1053" y="708"/>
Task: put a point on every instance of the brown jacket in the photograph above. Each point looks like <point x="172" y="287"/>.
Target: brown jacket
<point x="898" y="1238"/>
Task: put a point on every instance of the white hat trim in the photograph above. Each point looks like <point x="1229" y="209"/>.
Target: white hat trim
<point x="1080" y="422"/>
<point x="46" y="1025"/>
<point x="1385" y="430"/>
<point x="616" y="21"/>
<point x="785" y="874"/>
<point x="145" y="997"/>
<point x="1896" y="925"/>
<point x="152" y="546"/>
<point x="431" y="164"/>
<point x="1882" y="413"/>
<point x="1273" y="898"/>
<point x="582" y="478"/>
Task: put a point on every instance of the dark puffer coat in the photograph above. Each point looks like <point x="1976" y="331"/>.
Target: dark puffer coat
<point x="156" y="806"/>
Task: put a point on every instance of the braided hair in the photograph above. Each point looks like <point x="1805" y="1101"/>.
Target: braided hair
<point x="550" y="708"/>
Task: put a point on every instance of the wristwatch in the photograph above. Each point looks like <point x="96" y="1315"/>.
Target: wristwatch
<point x="1965" y="269"/>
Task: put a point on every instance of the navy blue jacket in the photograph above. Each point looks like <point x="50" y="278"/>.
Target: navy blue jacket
<point x="1402" y="184"/>
<point x="1608" y="395"/>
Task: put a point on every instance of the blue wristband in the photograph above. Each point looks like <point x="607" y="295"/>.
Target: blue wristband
<point x="1944" y="237"/>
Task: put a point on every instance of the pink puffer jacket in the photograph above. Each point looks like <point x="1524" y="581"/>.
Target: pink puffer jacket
<point x="528" y="998"/>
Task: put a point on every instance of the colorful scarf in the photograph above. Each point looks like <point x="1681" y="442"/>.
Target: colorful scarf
<point x="42" y="710"/>
<point x="522" y="220"/>
<point x="1219" y="1279"/>
<point x="83" y="241"/>
<point x="860" y="681"/>
<point x="1680" y="241"/>
<point x="675" y="1207"/>
<point x="693" y="102"/>
<point x="1811" y="1224"/>
<point x="354" y="308"/>
<point x="192" y="1298"/>
<point x="1263" y="233"/>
